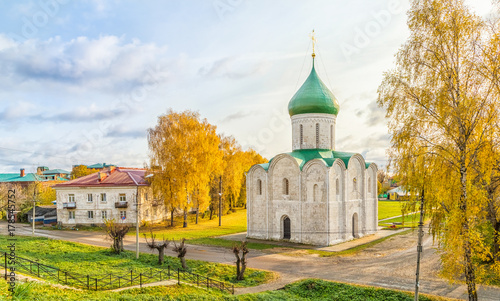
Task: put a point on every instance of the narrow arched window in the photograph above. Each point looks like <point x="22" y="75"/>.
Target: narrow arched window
<point x="285" y="186"/>
<point x="317" y="135"/>
<point x="301" y="135"/>
<point x="316" y="192"/>
<point x="337" y="187"/>
<point x="259" y="187"/>
<point x="354" y="185"/>
<point x="369" y="184"/>
<point x="331" y="136"/>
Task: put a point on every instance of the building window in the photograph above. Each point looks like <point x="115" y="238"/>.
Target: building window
<point x="259" y="187"/>
<point x="122" y="197"/>
<point x="354" y="184"/>
<point x="71" y="215"/>
<point x="285" y="186"/>
<point x="89" y="197"/>
<point x="103" y="197"/>
<point x="104" y="214"/>
<point x="147" y="212"/>
<point x="331" y="136"/>
<point x="369" y="184"/>
<point x="301" y="135"/>
<point x="317" y="135"/>
<point x="316" y="192"/>
<point x="337" y="187"/>
<point x="123" y="215"/>
<point x="90" y="214"/>
<point x="146" y="196"/>
<point x="71" y="197"/>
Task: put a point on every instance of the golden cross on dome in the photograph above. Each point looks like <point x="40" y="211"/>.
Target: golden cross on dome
<point x="313" y="38"/>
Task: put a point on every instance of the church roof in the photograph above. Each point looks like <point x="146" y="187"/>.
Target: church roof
<point x="327" y="155"/>
<point x="313" y="97"/>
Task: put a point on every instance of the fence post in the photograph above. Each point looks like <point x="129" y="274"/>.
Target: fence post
<point x="5" y="254"/>
<point x="232" y="288"/>
<point x="197" y="280"/>
<point x="96" y="284"/>
<point x="66" y="277"/>
<point x="169" y="272"/>
<point x="31" y="272"/>
<point x="140" y="280"/>
<point x="58" y="276"/>
<point x="110" y="280"/>
<point x="131" y="278"/>
<point x="88" y="282"/>
<point x="38" y="269"/>
<point x="178" y="276"/>
<point x="160" y="275"/>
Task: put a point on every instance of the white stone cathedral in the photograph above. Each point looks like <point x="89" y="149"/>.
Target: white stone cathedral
<point x="314" y="194"/>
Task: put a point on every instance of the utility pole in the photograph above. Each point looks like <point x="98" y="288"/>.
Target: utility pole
<point x="220" y="200"/>
<point x="34" y="205"/>
<point x="137" y="224"/>
<point x="419" y="246"/>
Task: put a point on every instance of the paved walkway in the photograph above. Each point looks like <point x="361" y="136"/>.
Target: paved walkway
<point x="334" y="248"/>
<point x="361" y="241"/>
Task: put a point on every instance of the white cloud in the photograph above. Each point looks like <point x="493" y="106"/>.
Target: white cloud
<point x="106" y="63"/>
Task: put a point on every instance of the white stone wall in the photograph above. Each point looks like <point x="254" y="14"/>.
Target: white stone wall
<point x="320" y="216"/>
<point x="148" y="210"/>
<point x="308" y="121"/>
<point x="257" y="214"/>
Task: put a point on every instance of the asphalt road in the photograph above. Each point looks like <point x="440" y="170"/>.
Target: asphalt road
<point x="390" y="264"/>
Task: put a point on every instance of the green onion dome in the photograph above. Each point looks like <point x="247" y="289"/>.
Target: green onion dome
<point x="313" y="97"/>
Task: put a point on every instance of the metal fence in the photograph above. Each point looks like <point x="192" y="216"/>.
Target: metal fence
<point x="111" y="281"/>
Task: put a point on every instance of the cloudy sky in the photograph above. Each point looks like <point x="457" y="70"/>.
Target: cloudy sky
<point x="82" y="81"/>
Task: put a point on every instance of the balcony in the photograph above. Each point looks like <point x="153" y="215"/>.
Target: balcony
<point x="121" y="204"/>
<point x="69" y="205"/>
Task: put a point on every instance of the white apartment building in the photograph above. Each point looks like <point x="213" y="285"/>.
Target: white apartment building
<point x="111" y="193"/>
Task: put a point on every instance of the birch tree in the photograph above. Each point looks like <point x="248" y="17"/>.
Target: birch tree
<point x="184" y="153"/>
<point x="443" y="114"/>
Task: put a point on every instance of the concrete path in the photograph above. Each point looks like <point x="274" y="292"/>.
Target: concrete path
<point x="360" y="241"/>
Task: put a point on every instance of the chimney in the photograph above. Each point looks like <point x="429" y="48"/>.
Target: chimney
<point x="101" y="176"/>
<point x="22" y="172"/>
<point x="112" y="168"/>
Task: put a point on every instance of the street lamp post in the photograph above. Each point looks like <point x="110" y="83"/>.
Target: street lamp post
<point x="220" y="201"/>
<point x="137" y="224"/>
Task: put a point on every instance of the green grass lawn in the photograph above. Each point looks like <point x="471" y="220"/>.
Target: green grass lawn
<point x="309" y="289"/>
<point x="411" y="220"/>
<point x="86" y="259"/>
<point x="231" y="223"/>
<point x="389" y="208"/>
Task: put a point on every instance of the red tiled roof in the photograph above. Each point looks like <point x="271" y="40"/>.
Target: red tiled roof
<point x="119" y="176"/>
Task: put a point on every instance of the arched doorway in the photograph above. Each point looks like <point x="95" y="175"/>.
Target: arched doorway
<point x="355" y="225"/>
<point x="286" y="228"/>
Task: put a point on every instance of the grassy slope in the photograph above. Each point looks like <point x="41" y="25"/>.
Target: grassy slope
<point x="310" y="289"/>
<point x="85" y="259"/>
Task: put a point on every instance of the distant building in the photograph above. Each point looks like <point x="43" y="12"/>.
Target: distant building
<point x="46" y="215"/>
<point x="22" y="178"/>
<point x="397" y="194"/>
<point x="111" y="193"/>
<point x="53" y="174"/>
